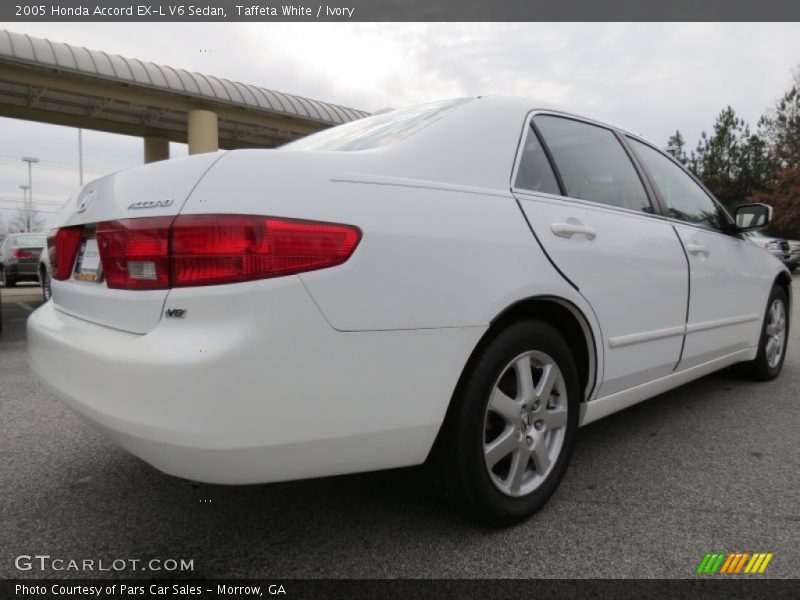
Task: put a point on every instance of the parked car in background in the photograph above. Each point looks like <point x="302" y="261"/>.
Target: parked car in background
<point x="461" y="284"/>
<point x="779" y="247"/>
<point x="19" y="257"/>
<point x="794" y="246"/>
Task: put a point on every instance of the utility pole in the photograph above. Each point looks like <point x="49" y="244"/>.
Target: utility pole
<point x="30" y="160"/>
<point x="25" y="189"/>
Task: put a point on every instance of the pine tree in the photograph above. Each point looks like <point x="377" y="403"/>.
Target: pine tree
<point x="780" y="127"/>
<point x="676" y="145"/>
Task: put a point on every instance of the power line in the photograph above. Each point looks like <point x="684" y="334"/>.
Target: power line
<point x="22" y="210"/>
<point x="4" y="158"/>
<point x="17" y="199"/>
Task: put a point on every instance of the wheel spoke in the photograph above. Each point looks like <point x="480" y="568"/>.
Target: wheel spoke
<point x="522" y="368"/>
<point x="501" y="447"/>
<point x="545" y="388"/>
<point x="505" y="406"/>
<point x="519" y="464"/>
<point x="555" y="419"/>
<point x="541" y="459"/>
<point x="770" y="349"/>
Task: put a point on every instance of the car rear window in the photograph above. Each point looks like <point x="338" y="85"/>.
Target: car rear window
<point x="378" y="131"/>
<point x="29" y="241"/>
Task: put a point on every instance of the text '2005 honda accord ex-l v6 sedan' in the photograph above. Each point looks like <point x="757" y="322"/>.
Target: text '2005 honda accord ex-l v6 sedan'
<point x="462" y="283"/>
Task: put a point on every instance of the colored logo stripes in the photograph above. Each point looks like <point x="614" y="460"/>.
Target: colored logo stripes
<point x="734" y="563"/>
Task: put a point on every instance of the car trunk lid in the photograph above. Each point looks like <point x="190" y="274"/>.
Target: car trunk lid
<point x="154" y="190"/>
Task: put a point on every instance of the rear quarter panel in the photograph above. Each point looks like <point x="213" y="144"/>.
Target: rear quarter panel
<point x="432" y="254"/>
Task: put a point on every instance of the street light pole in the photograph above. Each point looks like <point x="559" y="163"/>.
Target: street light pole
<point x="25" y="189"/>
<point x="30" y="160"/>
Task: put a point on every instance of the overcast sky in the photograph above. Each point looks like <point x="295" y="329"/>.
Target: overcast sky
<point x="649" y="78"/>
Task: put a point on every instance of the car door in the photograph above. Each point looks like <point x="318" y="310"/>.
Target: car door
<point x="729" y="276"/>
<point x="591" y="213"/>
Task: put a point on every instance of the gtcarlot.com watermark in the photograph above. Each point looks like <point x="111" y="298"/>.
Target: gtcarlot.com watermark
<point x="45" y="562"/>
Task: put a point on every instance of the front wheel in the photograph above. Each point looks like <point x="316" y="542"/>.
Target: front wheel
<point x="508" y="436"/>
<point x="774" y="336"/>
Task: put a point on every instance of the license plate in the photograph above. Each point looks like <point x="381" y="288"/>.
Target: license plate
<point x="88" y="268"/>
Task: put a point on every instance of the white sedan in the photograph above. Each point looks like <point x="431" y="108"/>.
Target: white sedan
<point x="462" y="283"/>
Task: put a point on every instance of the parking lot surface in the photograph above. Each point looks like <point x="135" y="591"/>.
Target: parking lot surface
<point x="712" y="466"/>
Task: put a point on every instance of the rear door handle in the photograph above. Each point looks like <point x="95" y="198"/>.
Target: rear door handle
<point x="567" y="230"/>
<point x="696" y="249"/>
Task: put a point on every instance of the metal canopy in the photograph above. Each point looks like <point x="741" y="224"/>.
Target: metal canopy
<point x="70" y="85"/>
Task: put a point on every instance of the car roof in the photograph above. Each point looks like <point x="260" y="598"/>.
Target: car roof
<point x="531" y="104"/>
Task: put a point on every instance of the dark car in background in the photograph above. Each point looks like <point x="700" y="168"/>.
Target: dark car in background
<point x="794" y="246"/>
<point x="19" y="257"/>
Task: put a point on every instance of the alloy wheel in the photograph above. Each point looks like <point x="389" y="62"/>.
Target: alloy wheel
<point x="776" y="333"/>
<point x="525" y="423"/>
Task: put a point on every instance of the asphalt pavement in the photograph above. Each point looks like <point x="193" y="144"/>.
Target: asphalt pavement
<point x="711" y="466"/>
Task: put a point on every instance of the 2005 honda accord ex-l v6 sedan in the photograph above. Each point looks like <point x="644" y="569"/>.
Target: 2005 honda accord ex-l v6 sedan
<point x="462" y="283"/>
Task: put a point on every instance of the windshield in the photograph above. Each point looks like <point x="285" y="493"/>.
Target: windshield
<point x="29" y="241"/>
<point x="375" y="132"/>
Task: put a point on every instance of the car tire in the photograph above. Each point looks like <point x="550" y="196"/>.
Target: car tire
<point x="7" y="282"/>
<point x="772" y="344"/>
<point x="479" y="469"/>
<point x="46" y="290"/>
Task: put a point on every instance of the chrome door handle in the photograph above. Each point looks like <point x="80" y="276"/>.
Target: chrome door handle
<point x="696" y="249"/>
<point x="567" y="230"/>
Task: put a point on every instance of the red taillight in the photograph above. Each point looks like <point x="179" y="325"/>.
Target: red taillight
<point x="22" y="254"/>
<point x="62" y="248"/>
<point x="193" y="250"/>
<point x="214" y="249"/>
<point x="135" y="253"/>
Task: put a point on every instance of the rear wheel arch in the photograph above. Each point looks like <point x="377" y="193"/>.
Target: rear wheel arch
<point x="561" y="314"/>
<point x="568" y="320"/>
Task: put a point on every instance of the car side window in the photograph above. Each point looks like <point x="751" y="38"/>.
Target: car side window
<point x="534" y="172"/>
<point x="685" y="199"/>
<point x="592" y="163"/>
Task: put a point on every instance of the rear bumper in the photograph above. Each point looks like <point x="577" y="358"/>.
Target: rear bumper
<point x="254" y="385"/>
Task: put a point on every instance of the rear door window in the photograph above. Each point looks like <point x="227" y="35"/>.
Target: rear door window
<point x="592" y="163"/>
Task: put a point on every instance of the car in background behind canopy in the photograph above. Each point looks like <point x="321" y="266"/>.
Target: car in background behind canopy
<point x="19" y="258"/>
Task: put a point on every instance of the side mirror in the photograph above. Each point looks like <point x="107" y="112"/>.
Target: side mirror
<point x="752" y="217"/>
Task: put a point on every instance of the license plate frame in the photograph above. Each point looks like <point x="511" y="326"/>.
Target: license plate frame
<point x="88" y="266"/>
